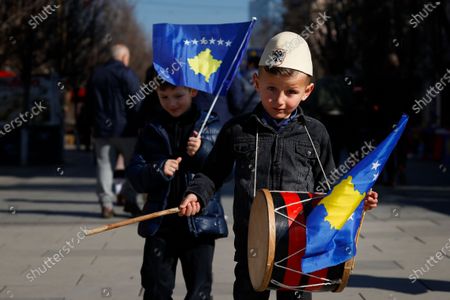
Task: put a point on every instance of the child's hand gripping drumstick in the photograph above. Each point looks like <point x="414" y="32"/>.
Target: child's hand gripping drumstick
<point x="189" y="206"/>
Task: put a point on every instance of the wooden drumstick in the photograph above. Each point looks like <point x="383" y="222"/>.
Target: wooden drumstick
<point x="131" y="221"/>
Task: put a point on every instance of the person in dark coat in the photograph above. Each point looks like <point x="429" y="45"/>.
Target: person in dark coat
<point x="114" y="124"/>
<point x="168" y="154"/>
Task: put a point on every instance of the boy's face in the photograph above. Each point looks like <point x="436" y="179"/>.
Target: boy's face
<point x="281" y="95"/>
<point x="176" y="101"/>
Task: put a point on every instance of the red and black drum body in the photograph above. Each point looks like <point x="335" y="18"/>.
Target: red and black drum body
<point x="277" y="242"/>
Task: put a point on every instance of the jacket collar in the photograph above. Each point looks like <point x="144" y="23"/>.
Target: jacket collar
<point x="259" y="112"/>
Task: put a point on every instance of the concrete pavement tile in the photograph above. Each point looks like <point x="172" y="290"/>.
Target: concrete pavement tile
<point x="35" y="292"/>
<point x="388" y="234"/>
<point x="367" y="265"/>
<point x="437" y="240"/>
<point x="16" y="261"/>
<point x="93" y="291"/>
<point x="122" y="238"/>
<point x="107" y="253"/>
<point x="426" y="251"/>
<point x="421" y="230"/>
<point x="19" y="218"/>
<point x="429" y="270"/>
<point x="107" y="270"/>
<point x="394" y="211"/>
<point x="395" y="246"/>
<point x="346" y="294"/>
<point x="377" y="295"/>
<point x="222" y="288"/>
<point x="370" y="294"/>
<point x="223" y="263"/>
<point x="97" y="241"/>
<point x="442" y="222"/>
<point x="384" y="212"/>
<point x="65" y="272"/>
<point x="37" y="238"/>
<point x="390" y="225"/>
<point x="12" y="266"/>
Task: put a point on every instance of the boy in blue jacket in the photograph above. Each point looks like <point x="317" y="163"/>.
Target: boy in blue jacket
<point x="167" y="155"/>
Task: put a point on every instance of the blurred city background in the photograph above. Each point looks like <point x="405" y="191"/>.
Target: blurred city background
<point x="373" y="60"/>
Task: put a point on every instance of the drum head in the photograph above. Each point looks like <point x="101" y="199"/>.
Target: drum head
<point x="261" y="240"/>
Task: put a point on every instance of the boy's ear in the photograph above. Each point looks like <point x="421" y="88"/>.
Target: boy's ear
<point x="308" y="90"/>
<point x="256" y="81"/>
<point x="194" y="93"/>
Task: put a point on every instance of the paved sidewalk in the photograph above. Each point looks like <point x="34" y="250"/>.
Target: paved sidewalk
<point x="42" y="209"/>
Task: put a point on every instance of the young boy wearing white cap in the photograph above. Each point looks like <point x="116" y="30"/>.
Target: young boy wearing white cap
<point x="275" y="147"/>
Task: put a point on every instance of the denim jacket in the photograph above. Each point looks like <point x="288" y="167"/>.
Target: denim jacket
<point x="286" y="161"/>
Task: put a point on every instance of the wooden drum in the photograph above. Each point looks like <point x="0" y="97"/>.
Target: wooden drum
<point x="277" y="241"/>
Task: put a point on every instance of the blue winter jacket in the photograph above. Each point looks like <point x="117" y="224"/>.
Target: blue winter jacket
<point x="145" y="173"/>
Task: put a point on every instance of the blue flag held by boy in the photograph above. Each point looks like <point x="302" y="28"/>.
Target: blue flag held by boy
<point x="332" y="226"/>
<point x="206" y="57"/>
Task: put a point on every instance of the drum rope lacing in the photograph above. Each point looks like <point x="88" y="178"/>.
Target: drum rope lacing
<point x="326" y="281"/>
<point x="290" y="204"/>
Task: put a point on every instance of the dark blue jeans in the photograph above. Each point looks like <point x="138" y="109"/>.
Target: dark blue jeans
<point x="161" y="256"/>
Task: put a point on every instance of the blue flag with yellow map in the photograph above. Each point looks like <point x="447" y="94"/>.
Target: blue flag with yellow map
<point x="332" y="226"/>
<point x="200" y="56"/>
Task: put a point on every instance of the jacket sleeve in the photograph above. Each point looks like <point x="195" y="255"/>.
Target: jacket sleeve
<point x="145" y="171"/>
<point x="326" y="158"/>
<point x="216" y="169"/>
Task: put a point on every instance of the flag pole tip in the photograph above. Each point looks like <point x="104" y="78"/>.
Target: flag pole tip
<point x="254" y="18"/>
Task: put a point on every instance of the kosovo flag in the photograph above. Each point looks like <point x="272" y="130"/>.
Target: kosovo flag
<point x="332" y="226"/>
<point x="202" y="57"/>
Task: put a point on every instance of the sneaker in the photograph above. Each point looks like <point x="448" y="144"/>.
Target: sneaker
<point x="107" y="213"/>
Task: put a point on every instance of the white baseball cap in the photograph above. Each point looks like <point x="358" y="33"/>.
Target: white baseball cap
<point x="287" y="50"/>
